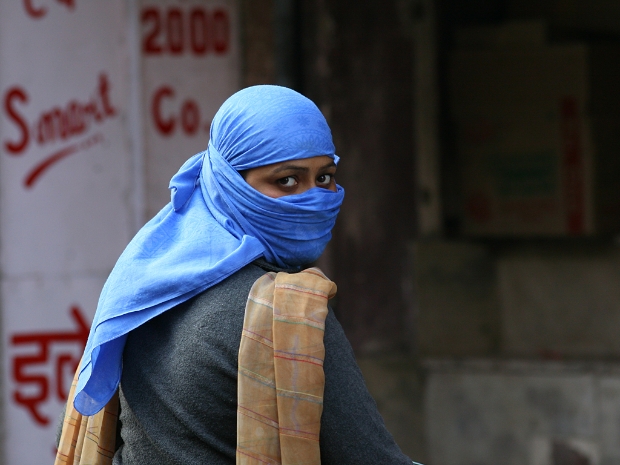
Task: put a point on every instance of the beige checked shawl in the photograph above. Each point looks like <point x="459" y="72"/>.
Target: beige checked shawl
<point x="87" y="440"/>
<point x="281" y="380"/>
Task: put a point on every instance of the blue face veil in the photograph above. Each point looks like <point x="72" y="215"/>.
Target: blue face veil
<point x="214" y="225"/>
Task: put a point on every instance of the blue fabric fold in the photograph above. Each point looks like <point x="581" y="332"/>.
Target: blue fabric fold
<point x="214" y="225"/>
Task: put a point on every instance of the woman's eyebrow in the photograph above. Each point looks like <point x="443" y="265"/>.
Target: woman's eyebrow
<point x="290" y="167"/>
<point x="329" y="165"/>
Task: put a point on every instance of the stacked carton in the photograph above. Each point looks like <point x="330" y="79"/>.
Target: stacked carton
<point x="598" y="17"/>
<point x="538" y="135"/>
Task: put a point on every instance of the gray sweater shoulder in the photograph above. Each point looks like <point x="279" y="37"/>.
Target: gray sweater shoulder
<point x="179" y="387"/>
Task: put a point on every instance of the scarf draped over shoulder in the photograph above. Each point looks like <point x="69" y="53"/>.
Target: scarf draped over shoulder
<point x="214" y="225"/>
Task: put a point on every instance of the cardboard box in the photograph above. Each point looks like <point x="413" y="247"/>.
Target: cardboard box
<point x="538" y="137"/>
<point x="509" y="34"/>
<point x="592" y="16"/>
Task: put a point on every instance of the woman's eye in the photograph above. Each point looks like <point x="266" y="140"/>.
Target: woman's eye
<point x="288" y="181"/>
<point x="324" y="179"/>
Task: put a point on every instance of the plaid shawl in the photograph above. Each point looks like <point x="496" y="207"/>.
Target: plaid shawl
<point x="281" y="379"/>
<point x="88" y="440"/>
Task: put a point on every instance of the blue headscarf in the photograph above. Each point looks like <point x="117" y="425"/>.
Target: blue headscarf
<point x="214" y="225"/>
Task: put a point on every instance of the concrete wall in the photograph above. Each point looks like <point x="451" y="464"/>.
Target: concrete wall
<point x="545" y="318"/>
<point x="397" y="385"/>
<point x="560" y="303"/>
<point x="538" y="413"/>
<point x="456" y="297"/>
<point x="551" y="300"/>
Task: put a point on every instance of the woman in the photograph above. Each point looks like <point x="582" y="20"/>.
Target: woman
<point x="262" y="198"/>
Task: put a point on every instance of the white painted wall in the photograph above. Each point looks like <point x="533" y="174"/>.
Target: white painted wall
<point x="83" y="165"/>
<point x="184" y="82"/>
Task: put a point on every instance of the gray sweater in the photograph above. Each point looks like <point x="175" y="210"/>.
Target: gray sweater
<point x="179" y="388"/>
